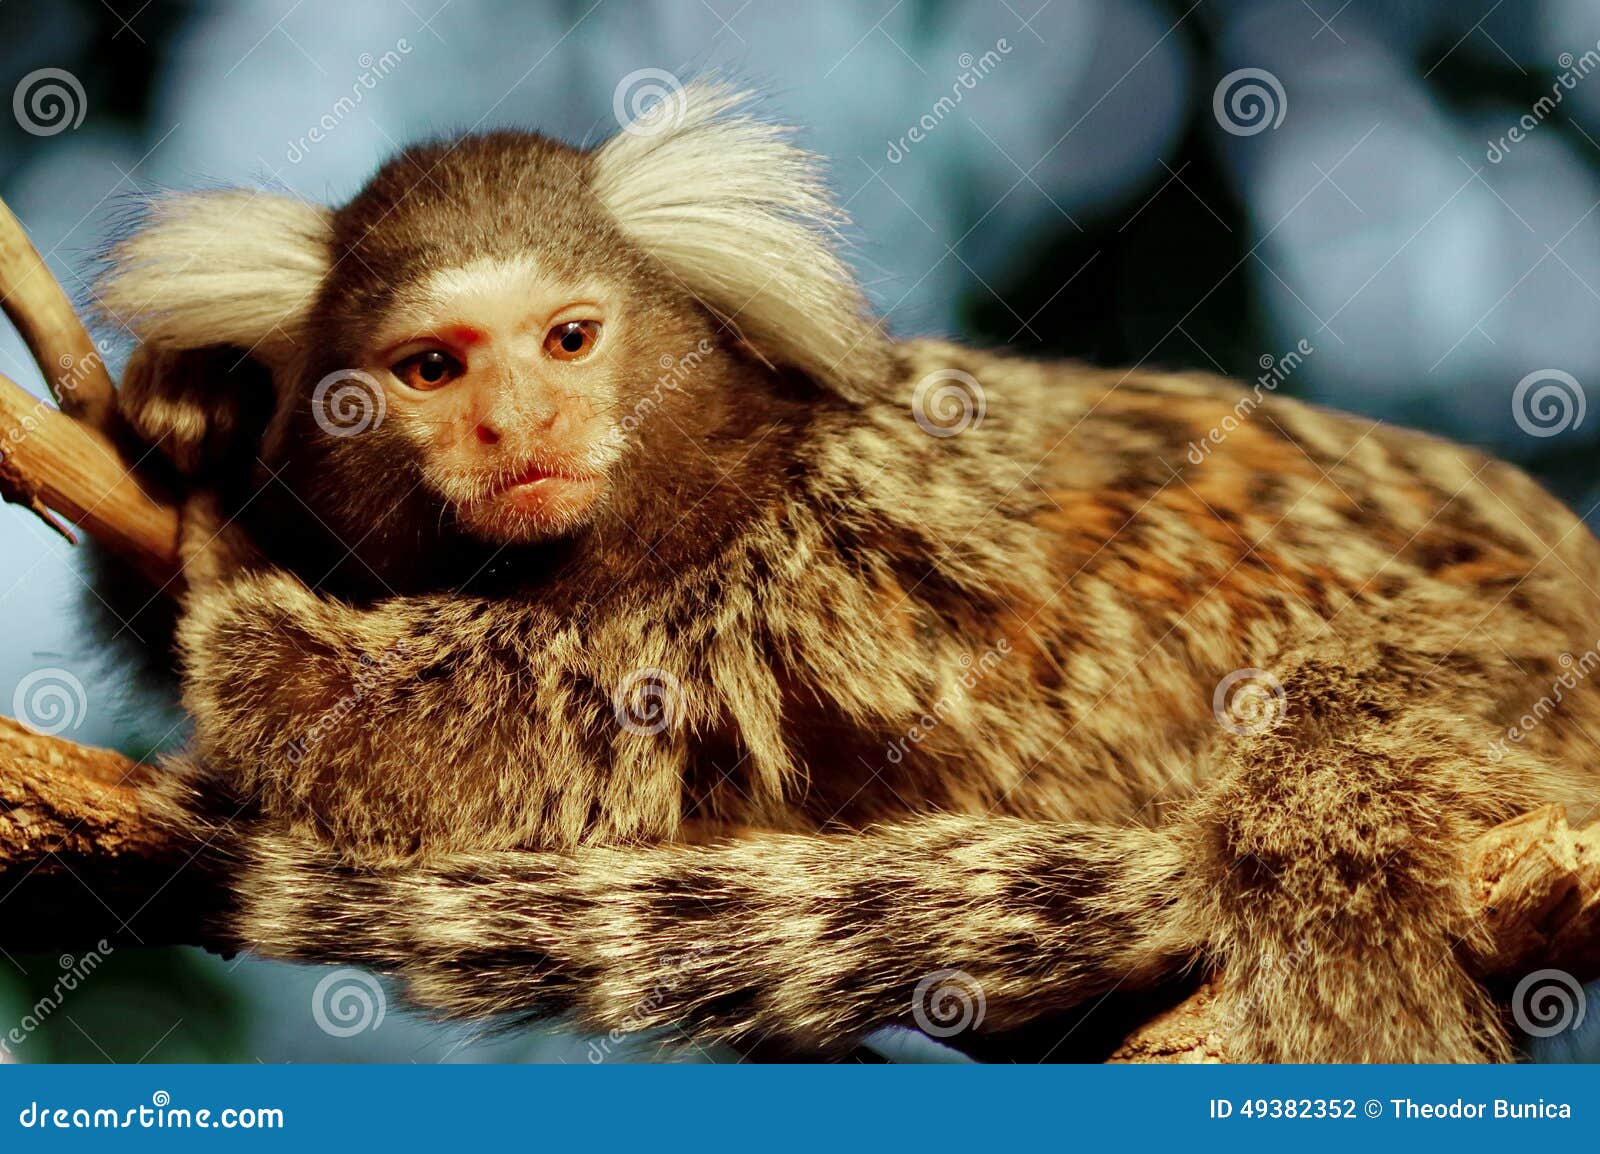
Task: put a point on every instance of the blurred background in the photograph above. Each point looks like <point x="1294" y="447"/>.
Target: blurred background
<point x="1403" y="194"/>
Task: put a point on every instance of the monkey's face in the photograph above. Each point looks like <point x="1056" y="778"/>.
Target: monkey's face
<point x="504" y="378"/>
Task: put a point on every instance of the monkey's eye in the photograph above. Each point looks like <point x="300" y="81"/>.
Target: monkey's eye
<point x="572" y="341"/>
<point x="431" y="369"/>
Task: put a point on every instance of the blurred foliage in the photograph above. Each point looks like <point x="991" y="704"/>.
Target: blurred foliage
<point x="169" y="1005"/>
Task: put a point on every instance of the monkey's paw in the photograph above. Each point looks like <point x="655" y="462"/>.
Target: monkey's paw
<point x="212" y="549"/>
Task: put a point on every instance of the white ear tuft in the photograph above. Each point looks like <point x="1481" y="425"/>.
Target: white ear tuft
<point x="741" y="216"/>
<point x="232" y="267"/>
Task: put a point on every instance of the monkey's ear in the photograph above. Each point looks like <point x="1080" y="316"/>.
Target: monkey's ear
<point x="740" y="214"/>
<point x="230" y="267"/>
<point x="216" y="287"/>
<point x="204" y="410"/>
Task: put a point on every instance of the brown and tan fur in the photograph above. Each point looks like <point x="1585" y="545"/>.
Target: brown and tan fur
<point x="1058" y="589"/>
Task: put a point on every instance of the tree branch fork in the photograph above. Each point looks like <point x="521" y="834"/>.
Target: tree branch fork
<point x="84" y="858"/>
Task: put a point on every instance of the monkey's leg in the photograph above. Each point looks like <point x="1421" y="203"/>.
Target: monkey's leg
<point x="1330" y="868"/>
<point x="947" y="923"/>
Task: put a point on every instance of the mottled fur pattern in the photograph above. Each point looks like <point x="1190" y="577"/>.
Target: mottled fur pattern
<point x="936" y="702"/>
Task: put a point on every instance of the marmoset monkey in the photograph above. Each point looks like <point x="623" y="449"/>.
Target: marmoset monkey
<point x="599" y="614"/>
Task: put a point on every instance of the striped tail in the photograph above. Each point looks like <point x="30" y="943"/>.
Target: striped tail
<point x="805" y="940"/>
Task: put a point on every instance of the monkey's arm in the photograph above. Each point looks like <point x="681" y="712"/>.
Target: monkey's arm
<point x="813" y="940"/>
<point x="416" y="723"/>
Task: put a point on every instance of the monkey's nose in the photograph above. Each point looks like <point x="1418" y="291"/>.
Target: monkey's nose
<point x="488" y="435"/>
<point x="542" y="417"/>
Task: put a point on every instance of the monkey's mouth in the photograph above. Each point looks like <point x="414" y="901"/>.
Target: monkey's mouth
<point x="538" y="501"/>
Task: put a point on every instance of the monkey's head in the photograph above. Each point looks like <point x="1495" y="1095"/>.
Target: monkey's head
<point x="484" y="300"/>
<point x="503" y="341"/>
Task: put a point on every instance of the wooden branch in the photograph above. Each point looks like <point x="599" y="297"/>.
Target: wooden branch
<point x="55" y="336"/>
<point x="83" y="857"/>
<point x="1537" y="884"/>
<point x="50" y="461"/>
<point x="65" y="460"/>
